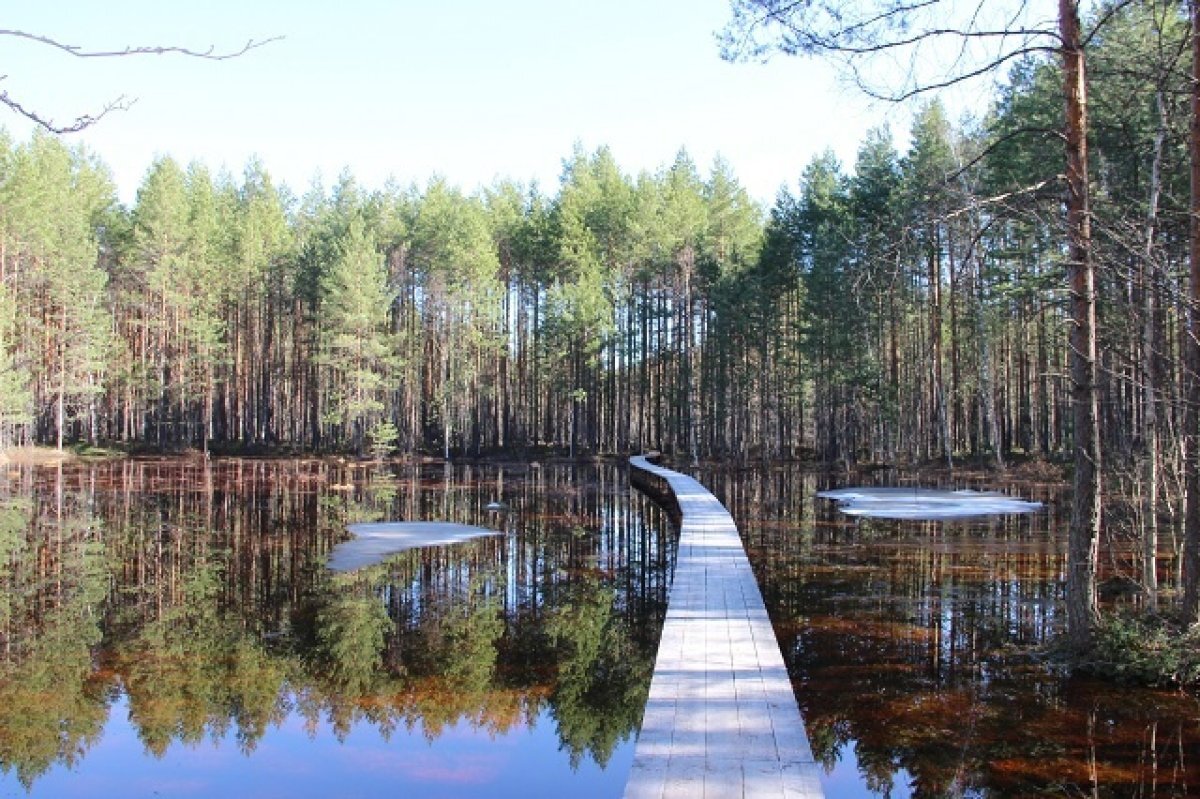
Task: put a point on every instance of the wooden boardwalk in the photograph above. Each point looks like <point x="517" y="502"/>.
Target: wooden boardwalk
<point x="721" y="719"/>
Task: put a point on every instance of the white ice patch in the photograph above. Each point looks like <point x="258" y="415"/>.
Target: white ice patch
<point x="924" y="504"/>
<point x="375" y="541"/>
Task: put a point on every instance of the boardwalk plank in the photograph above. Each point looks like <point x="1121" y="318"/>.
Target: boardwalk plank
<point x="721" y="719"/>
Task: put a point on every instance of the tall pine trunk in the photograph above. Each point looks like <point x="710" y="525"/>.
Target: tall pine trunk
<point x="1191" y="417"/>
<point x="1151" y="454"/>
<point x="1084" y="534"/>
<point x="938" y="388"/>
<point x="60" y="405"/>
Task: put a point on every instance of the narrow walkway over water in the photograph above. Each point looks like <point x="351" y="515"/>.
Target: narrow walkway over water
<point x="721" y="720"/>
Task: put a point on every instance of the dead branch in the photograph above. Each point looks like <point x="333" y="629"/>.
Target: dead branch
<point x="211" y="54"/>
<point x="121" y="103"/>
<point x="999" y="198"/>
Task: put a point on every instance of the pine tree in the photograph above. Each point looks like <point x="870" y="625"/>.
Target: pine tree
<point x="356" y="352"/>
<point x="54" y="198"/>
<point x="158" y="293"/>
<point x="452" y="251"/>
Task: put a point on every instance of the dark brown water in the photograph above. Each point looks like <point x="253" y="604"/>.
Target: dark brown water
<point x="909" y="646"/>
<point x="170" y="628"/>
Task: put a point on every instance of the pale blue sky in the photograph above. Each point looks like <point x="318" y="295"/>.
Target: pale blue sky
<point x="471" y="90"/>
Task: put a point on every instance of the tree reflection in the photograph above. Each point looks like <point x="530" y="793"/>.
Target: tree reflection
<point x="351" y="631"/>
<point x="602" y="679"/>
<point x="913" y="650"/>
<point x="199" y="593"/>
<point x="53" y="704"/>
<point x="192" y="674"/>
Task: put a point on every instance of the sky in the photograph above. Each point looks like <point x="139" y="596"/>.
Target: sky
<point x="471" y="91"/>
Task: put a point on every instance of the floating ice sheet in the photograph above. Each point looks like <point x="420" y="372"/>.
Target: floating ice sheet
<point x="375" y="541"/>
<point x="924" y="503"/>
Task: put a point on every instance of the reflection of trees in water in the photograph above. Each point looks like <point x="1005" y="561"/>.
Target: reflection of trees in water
<point x="603" y="676"/>
<point x="552" y="613"/>
<point x="351" y="631"/>
<point x="52" y="703"/>
<point x="192" y="673"/>
<point x="202" y="593"/>
<point x="911" y="645"/>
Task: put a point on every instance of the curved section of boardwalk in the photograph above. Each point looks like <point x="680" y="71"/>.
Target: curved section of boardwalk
<point x="721" y="719"/>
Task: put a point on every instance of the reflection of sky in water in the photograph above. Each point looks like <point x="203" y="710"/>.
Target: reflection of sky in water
<point x="288" y="762"/>
<point x="845" y="781"/>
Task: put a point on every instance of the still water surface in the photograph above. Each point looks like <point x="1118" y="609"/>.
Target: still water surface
<point x="912" y="649"/>
<point x="170" y="628"/>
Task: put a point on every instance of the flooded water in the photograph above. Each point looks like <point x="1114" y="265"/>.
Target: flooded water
<point x="171" y="628"/>
<point x="909" y="645"/>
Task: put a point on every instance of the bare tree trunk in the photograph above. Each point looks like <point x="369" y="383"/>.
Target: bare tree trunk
<point x="935" y="344"/>
<point x="1084" y="535"/>
<point x="1150" y="375"/>
<point x="447" y="426"/>
<point x="1191" y="417"/>
<point x="987" y="393"/>
<point x="60" y="409"/>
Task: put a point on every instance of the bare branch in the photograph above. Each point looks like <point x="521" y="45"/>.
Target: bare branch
<point x="121" y="103"/>
<point x="830" y="44"/>
<point x="998" y="198"/>
<point x="951" y="80"/>
<point x="1106" y="14"/>
<point x="211" y="54"/>
<point x="997" y="142"/>
<point x="897" y="35"/>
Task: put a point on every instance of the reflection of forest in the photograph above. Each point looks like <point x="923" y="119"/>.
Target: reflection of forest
<point x="911" y="649"/>
<point x="200" y="592"/>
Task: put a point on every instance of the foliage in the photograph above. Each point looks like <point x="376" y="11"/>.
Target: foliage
<point x="383" y="438"/>
<point x="351" y="631"/>
<point x="1150" y="650"/>
<point x="354" y="344"/>
<point x="54" y="198"/>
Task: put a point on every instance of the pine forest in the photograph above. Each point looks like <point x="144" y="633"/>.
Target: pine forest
<point x="912" y="306"/>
